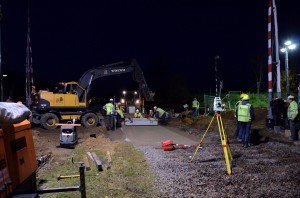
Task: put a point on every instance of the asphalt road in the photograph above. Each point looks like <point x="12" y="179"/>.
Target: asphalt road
<point x="152" y="135"/>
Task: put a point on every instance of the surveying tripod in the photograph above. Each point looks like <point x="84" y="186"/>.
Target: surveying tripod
<point x="224" y="140"/>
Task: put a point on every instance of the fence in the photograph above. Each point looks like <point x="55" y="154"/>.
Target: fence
<point x="228" y="101"/>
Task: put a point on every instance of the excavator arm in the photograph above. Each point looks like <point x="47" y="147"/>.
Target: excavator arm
<point x="114" y="69"/>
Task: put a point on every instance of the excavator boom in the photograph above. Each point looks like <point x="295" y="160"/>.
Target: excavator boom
<point x="114" y="69"/>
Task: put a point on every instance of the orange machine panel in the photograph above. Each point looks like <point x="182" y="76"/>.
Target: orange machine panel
<point x="4" y="175"/>
<point x="20" y="151"/>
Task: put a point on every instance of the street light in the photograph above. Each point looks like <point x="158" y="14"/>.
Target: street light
<point x="289" y="46"/>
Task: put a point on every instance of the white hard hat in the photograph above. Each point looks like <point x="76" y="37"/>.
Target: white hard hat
<point x="290" y="97"/>
<point x="111" y="99"/>
<point x="155" y="107"/>
<point x="137" y="110"/>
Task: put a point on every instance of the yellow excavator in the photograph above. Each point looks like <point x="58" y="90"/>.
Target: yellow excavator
<point x="49" y="108"/>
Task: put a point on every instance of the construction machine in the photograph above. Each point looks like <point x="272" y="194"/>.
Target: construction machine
<point x="49" y="108"/>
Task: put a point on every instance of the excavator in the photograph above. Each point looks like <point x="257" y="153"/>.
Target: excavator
<point x="49" y="108"/>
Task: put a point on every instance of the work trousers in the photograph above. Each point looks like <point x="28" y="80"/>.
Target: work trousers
<point x="110" y="122"/>
<point x="245" y="129"/>
<point x="238" y="130"/>
<point x="195" y="111"/>
<point x="294" y="133"/>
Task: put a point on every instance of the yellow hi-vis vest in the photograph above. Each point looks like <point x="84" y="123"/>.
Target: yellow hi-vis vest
<point x="244" y="113"/>
<point x="292" y="110"/>
<point x="120" y="112"/>
<point x="109" y="108"/>
<point x="195" y="104"/>
<point x="160" y="111"/>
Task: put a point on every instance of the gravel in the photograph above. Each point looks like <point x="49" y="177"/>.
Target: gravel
<point x="267" y="169"/>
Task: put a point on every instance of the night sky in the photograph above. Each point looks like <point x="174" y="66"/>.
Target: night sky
<point x="169" y="39"/>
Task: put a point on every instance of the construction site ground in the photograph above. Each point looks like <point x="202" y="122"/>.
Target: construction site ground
<point x="268" y="168"/>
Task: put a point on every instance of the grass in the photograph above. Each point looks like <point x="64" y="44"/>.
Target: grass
<point x="129" y="175"/>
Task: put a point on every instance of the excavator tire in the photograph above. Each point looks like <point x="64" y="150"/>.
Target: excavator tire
<point x="89" y="120"/>
<point x="49" y="121"/>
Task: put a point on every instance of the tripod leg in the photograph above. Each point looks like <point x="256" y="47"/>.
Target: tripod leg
<point x="225" y="137"/>
<point x="225" y="144"/>
<point x="199" y="145"/>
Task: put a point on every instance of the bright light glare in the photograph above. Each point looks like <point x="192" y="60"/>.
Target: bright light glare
<point x="4" y="75"/>
<point x="135" y="93"/>
<point x="124" y="92"/>
<point x="293" y="46"/>
<point x="288" y="43"/>
<point x="122" y="100"/>
<point x="283" y="49"/>
<point x="137" y="101"/>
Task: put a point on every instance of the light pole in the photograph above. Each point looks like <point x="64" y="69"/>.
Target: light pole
<point x="289" y="46"/>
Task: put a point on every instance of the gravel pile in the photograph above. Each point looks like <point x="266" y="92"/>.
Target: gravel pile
<point x="269" y="169"/>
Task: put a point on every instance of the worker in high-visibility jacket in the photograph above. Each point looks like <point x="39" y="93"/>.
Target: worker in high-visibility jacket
<point x="110" y="110"/>
<point x="137" y="114"/>
<point x="195" y="106"/>
<point x="119" y="115"/>
<point x="245" y="114"/>
<point x="161" y="115"/>
<point x="292" y="115"/>
<point x="238" y="134"/>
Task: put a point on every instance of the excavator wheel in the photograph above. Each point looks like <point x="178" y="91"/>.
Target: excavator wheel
<point x="49" y="121"/>
<point x="89" y="120"/>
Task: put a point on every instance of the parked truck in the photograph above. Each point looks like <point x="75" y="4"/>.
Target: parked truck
<point x="49" y="108"/>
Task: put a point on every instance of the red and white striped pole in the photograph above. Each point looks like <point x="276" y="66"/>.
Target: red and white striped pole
<point x="270" y="87"/>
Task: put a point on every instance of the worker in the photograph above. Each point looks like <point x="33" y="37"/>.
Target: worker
<point x="238" y="134"/>
<point x="245" y="114"/>
<point x="195" y="106"/>
<point x="160" y="114"/>
<point x="110" y="109"/>
<point x="151" y="113"/>
<point x="137" y="114"/>
<point x="119" y="115"/>
<point x="292" y="115"/>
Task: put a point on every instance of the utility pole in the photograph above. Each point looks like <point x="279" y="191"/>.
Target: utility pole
<point x="216" y="73"/>
<point x="30" y="89"/>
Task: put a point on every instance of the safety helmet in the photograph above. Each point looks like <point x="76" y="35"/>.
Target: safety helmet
<point x="137" y="110"/>
<point x="155" y="107"/>
<point x="242" y="96"/>
<point x="246" y="97"/>
<point x="111" y="100"/>
<point x="290" y="97"/>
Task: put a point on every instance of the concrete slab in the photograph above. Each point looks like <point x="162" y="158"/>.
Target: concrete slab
<point x="141" y="122"/>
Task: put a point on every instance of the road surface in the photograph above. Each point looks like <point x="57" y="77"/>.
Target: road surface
<point x="152" y="135"/>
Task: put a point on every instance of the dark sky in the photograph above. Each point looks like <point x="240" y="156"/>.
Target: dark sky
<point x="174" y="37"/>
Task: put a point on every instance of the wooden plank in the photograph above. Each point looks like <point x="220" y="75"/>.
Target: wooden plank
<point x="90" y="155"/>
<point x="97" y="161"/>
<point x="86" y="163"/>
